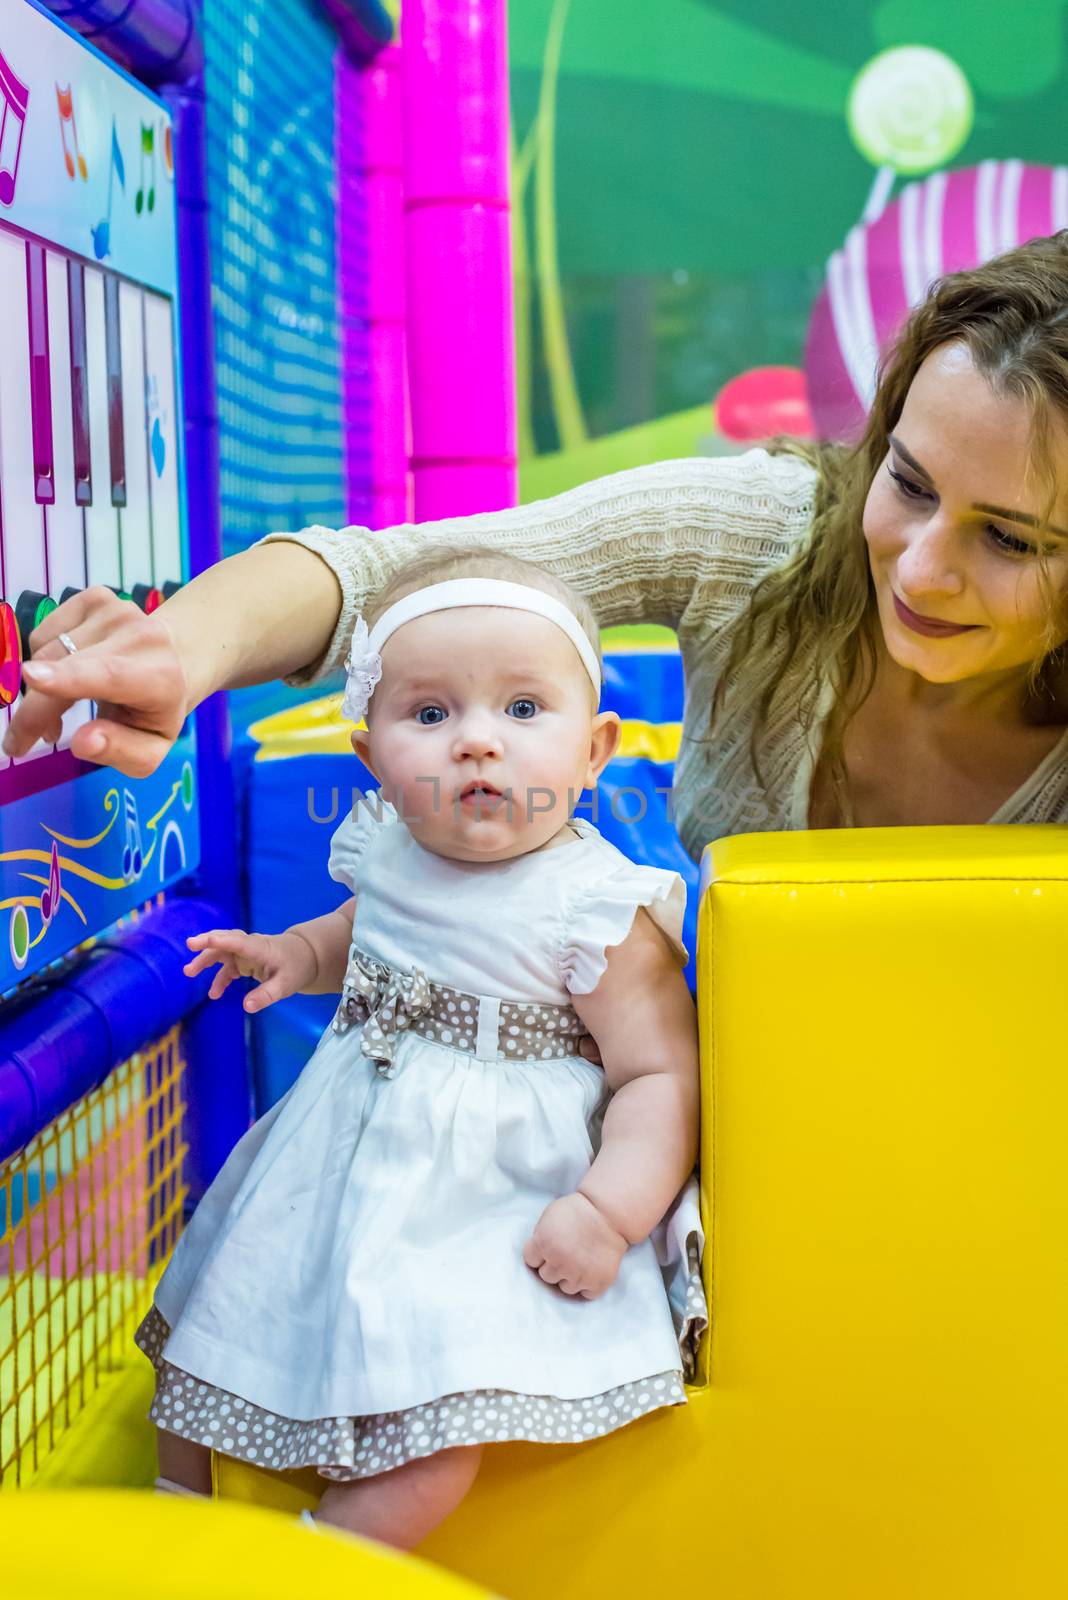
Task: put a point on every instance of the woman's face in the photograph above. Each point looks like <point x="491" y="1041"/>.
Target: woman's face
<point x="951" y="524"/>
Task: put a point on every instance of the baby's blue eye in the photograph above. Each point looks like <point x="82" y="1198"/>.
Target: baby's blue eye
<point x="525" y="715"/>
<point x="420" y="715"/>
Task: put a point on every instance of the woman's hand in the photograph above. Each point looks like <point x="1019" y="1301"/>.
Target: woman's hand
<point x="282" y="963"/>
<point x="126" y="661"/>
<point x="575" y="1248"/>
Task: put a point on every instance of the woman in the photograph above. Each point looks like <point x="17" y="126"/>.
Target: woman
<point x="871" y="637"/>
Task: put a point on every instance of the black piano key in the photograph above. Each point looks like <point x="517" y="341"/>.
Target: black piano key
<point x="44" y="486"/>
<point x="79" y="385"/>
<point x="113" y="342"/>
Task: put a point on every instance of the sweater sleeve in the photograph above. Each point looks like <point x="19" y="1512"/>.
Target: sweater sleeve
<point x="675" y="543"/>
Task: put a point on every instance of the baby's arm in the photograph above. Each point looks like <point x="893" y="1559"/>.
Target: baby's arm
<point x="643" y="1019"/>
<point x="330" y="938"/>
<point x="308" y="958"/>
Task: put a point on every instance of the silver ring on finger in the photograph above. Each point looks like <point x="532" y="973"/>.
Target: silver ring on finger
<point x="68" y="644"/>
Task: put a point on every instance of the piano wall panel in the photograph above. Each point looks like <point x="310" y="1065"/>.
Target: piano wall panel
<point x="162" y="439"/>
<point x="135" y="518"/>
<point x="66" y="535"/>
<point x="63" y="519"/>
<point x="21" y="518"/>
<point x="101" y="517"/>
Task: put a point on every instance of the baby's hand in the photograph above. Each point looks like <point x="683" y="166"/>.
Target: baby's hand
<point x="283" y="963"/>
<point x="574" y="1247"/>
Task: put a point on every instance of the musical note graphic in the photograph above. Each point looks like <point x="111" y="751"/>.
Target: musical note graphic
<point x="14" y="98"/>
<point x="102" y="232"/>
<point x="148" y="148"/>
<point x="51" y="896"/>
<point x="132" y="858"/>
<point x="158" y="446"/>
<point x="65" y="102"/>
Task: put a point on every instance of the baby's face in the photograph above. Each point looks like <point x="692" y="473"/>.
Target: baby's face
<point x="483" y="731"/>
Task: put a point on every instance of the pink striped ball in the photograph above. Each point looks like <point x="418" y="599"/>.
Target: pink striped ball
<point x="949" y="221"/>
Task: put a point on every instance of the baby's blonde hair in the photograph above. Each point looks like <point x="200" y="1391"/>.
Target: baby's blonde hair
<point x="438" y="563"/>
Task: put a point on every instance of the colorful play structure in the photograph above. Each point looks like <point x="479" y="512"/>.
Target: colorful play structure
<point x="881" y="1405"/>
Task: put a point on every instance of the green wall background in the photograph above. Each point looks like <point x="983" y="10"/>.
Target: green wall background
<point x="682" y="172"/>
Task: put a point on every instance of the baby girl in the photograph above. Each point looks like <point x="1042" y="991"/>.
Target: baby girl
<point x="454" y="1229"/>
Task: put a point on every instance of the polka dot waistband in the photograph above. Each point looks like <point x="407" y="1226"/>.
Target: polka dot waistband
<point x="490" y="1029"/>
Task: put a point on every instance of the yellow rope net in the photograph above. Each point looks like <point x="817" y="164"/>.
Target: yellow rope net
<point x="89" y="1213"/>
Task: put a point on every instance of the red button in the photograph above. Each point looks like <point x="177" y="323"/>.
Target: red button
<point x="10" y="655"/>
<point x="147" y="597"/>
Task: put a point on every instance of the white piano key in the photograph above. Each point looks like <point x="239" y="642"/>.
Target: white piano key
<point x="63" y="519"/>
<point x="162" y="439"/>
<point x="101" y="518"/>
<point x="135" y="517"/>
<point x="25" y="557"/>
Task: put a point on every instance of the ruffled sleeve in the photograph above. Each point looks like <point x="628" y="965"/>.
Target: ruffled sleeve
<point x="369" y="816"/>
<point x="601" y="914"/>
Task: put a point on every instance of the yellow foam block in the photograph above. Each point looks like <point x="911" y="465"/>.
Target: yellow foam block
<point x="317" y="728"/>
<point x="885" y="1109"/>
<point x="102" y="1545"/>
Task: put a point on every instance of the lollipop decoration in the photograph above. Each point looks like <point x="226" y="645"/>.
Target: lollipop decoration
<point x="950" y="221"/>
<point x="910" y="110"/>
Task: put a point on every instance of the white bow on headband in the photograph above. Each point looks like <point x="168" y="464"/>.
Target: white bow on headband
<point x="363" y="665"/>
<point x="363" y="668"/>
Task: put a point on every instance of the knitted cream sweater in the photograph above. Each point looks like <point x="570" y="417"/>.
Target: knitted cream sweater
<point x="680" y="543"/>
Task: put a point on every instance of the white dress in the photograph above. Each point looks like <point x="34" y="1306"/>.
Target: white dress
<point x="351" y="1291"/>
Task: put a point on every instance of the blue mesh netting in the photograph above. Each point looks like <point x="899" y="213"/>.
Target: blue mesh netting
<point x="272" y="178"/>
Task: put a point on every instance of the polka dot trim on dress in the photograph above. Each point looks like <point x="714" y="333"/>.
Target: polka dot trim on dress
<point x="347" y="1448"/>
<point x="387" y="1002"/>
<point x="695" y="1317"/>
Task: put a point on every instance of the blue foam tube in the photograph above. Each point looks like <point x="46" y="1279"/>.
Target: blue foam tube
<point x="364" y="26"/>
<point x="159" y="41"/>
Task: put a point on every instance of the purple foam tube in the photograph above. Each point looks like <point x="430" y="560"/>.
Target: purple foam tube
<point x="62" y="1041"/>
<point x="158" y="41"/>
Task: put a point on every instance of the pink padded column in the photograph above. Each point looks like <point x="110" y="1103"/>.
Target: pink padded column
<point x="461" y="358"/>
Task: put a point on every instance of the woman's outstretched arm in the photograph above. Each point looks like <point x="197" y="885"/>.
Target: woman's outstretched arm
<point x="671" y="543"/>
<point x="258" y="615"/>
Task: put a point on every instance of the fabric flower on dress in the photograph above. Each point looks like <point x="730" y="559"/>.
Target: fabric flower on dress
<point x="363" y="667"/>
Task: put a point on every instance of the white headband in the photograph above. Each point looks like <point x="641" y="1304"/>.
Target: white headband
<point x="364" y="664"/>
